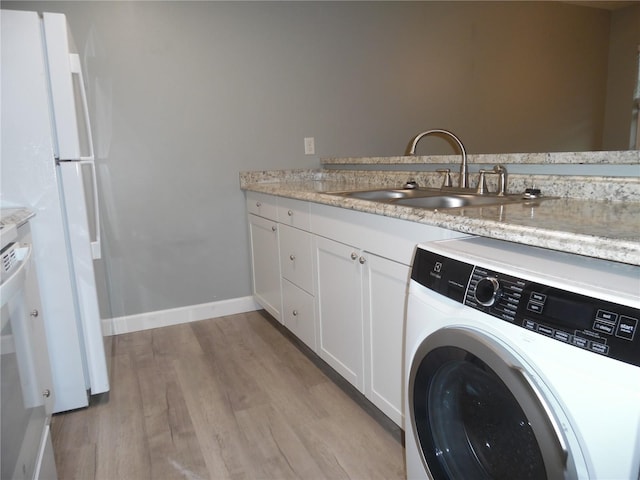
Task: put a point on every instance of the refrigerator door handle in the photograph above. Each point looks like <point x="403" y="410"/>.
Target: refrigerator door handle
<point x="76" y="69"/>
<point x="96" y="244"/>
<point x="74" y="65"/>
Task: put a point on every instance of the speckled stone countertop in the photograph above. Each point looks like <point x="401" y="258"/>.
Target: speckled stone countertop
<point x="596" y="217"/>
<point x="628" y="157"/>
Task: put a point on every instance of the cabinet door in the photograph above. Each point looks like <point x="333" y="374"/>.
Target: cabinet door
<point x="385" y="286"/>
<point x="298" y="314"/>
<point x="339" y="308"/>
<point x="266" y="264"/>
<point x="296" y="259"/>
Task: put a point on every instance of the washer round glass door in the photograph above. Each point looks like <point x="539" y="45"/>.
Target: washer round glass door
<point x="478" y="414"/>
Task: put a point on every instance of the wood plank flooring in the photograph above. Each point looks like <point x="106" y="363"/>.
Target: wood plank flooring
<point x="227" y="398"/>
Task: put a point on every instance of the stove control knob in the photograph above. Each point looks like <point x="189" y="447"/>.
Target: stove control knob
<point x="487" y="291"/>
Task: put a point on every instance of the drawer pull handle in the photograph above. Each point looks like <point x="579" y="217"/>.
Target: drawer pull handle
<point x="258" y="204"/>
<point x="292" y="257"/>
<point x="34" y="313"/>
<point x="295" y="313"/>
<point x="290" y="213"/>
<point x="46" y="393"/>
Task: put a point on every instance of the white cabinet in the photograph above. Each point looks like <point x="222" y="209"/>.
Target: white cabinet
<point x="265" y="264"/>
<point x="298" y="314"/>
<point x="265" y="253"/>
<point x="360" y="311"/>
<point x="362" y="272"/>
<point x="295" y="257"/>
<point x="385" y="287"/>
<point x="339" y="308"/>
<point x="296" y="264"/>
<point x="337" y="279"/>
<point x="262" y="205"/>
<point x="294" y="213"/>
<point x="283" y="282"/>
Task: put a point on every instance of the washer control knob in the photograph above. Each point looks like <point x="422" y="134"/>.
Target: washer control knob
<point x="487" y="291"/>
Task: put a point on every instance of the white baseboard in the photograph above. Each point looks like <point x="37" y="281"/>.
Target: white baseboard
<point x="175" y="316"/>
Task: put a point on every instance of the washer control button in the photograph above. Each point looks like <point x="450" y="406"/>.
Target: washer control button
<point x="627" y="327"/>
<point x="599" y="348"/>
<point x="580" y="342"/>
<point x="538" y="297"/>
<point x="534" y="307"/>
<point x="606" y="316"/>
<point x="546" y="330"/>
<point x="603" y="327"/>
<point x="562" y="336"/>
<point x="487" y="291"/>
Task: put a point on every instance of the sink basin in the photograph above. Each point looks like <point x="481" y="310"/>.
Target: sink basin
<point x="458" y="200"/>
<point x="382" y="195"/>
<point x="431" y="198"/>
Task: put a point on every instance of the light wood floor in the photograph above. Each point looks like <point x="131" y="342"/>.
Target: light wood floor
<point x="232" y="397"/>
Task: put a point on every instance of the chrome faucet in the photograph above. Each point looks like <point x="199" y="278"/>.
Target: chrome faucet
<point x="464" y="173"/>
<point x="499" y="170"/>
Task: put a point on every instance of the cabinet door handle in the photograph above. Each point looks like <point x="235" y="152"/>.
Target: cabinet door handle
<point x="362" y="260"/>
<point x="273" y="228"/>
<point x="295" y="313"/>
<point x="258" y="204"/>
<point x="290" y="213"/>
<point x="46" y="393"/>
<point x="292" y="257"/>
<point x="34" y="313"/>
<point x="354" y="255"/>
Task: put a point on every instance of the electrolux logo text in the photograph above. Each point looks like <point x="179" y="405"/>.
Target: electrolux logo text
<point x="437" y="267"/>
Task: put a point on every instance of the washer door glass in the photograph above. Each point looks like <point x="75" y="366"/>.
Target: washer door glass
<point x="471" y="426"/>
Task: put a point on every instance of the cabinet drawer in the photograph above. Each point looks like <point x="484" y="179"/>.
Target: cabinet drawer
<point x="296" y="261"/>
<point x="298" y="313"/>
<point x="263" y="205"/>
<point x="294" y="213"/>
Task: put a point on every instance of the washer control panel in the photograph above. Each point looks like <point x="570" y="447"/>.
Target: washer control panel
<point x="584" y="322"/>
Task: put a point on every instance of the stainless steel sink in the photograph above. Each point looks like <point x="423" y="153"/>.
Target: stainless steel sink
<point x="383" y="195"/>
<point x="458" y="200"/>
<point x="430" y="198"/>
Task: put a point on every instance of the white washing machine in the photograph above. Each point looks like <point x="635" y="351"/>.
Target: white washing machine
<point x="521" y="363"/>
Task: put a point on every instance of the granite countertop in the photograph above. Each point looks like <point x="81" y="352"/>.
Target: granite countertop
<point x="630" y="157"/>
<point x="600" y="228"/>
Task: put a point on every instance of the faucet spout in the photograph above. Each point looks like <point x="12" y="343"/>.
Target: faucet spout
<point x="464" y="171"/>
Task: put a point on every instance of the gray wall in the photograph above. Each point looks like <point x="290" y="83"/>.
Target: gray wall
<point x="623" y="60"/>
<point x="184" y="95"/>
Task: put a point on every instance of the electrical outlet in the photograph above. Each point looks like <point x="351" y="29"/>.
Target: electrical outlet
<point x="309" y="145"/>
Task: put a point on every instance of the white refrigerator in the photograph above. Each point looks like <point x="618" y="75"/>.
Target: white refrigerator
<point x="47" y="165"/>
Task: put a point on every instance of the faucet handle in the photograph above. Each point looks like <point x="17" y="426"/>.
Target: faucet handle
<point x="502" y="182"/>
<point x="499" y="170"/>
<point x="482" y="182"/>
<point x="447" y="176"/>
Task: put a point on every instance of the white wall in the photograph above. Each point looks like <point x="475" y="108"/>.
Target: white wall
<point x="184" y="95"/>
